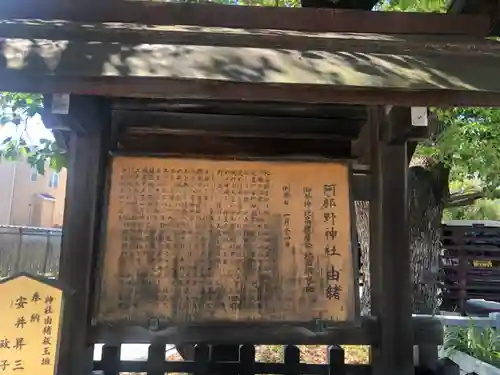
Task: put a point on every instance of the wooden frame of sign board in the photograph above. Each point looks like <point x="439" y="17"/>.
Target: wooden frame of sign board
<point x="163" y="325"/>
<point x="90" y="151"/>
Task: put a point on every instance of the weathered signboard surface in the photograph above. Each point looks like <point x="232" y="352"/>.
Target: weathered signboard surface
<point x="30" y="313"/>
<point x="202" y="240"/>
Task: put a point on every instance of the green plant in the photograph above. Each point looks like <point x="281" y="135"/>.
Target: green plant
<point x="17" y="109"/>
<point x="480" y="343"/>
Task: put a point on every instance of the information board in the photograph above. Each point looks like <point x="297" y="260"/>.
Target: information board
<point x="30" y="312"/>
<point x="196" y="240"/>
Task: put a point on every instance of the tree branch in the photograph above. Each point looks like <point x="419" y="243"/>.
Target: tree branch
<point x="466" y="199"/>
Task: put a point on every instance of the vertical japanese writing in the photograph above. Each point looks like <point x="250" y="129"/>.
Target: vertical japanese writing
<point x="16" y="365"/>
<point x="16" y="343"/>
<point x="308" y="232"/>
<point x="287" y="233"/>
<point x="286" y="194"/>
<point x="333" y="286"/>
<point x="47" y="331"/>
<point x="188" y="224"/>
<point x="19" y="342"/>
<point x="131" y="217"/>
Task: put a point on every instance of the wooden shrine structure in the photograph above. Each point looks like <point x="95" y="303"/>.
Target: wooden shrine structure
<point x="244" y="107"/>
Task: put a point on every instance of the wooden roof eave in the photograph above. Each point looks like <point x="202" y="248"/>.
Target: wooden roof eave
<point x="251" y="17"/>
<point x="214" y="63"/>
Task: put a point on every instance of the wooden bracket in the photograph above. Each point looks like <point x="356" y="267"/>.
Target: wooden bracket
<point x="83" y="114"/>
<point x="399" y="126"/>
<point x="396" y="128"/>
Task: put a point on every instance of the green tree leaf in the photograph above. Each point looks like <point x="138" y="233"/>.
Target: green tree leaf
<point x="18" y="108"/>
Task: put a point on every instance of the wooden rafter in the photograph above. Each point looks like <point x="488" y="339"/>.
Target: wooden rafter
<point x="235" y="126"/>
<point x="312" y="20"/>
<point x="214" y="63"/>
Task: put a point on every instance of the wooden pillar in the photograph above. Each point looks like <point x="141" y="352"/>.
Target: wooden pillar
<point x="84" y="194"/>
<point x="389" y="251"/>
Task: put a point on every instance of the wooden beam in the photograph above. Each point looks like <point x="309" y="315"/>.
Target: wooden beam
<point x="210" y="360"/>
<point x="224" y="147"/>
<point x="399" y="128"/>
<point x="423" y="65"/>
<point x="133" y="34"/>
<point x="305" y="19"/>
<point x="372" y="134"/>
<point x="413" y="67"/>
<point x="83" y="115"/>
<point x="390" y="252"/>
<point x="180" y="123"/>
<point x="235" y="106"/>
<point x="221" y="90"/>
<point x="428" y="330"/>
<point x="82" y="215"/>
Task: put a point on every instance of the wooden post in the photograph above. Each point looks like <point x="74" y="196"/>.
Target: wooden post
<point x="427" y="355"/>
<point x="84" y="194"/>
<point x="389" y="251"/>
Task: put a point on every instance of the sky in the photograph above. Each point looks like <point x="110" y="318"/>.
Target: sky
<point x="35" y="130"/>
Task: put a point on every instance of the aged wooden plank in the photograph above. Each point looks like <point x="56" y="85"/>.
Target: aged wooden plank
<point x="134" y="34"/>
<point x="208" y="72"/>
<point x="428" y="330"/>
<point x="305" y="19"/>
<point x="175" y="89"/>
<point x="336" y="67"/>
<point x="81" y="221"/>
<point x="390" y="252"/>
<point x="357" y="113"/>
<point x="239" y="134"/>
<point x="371" y="139"/>
<point x="157" y="122"/>
<point x="206" y="241"/>
<point x="203" y="365"/>
<point x="396" y="318"/>
<point x="242" y="148"/>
